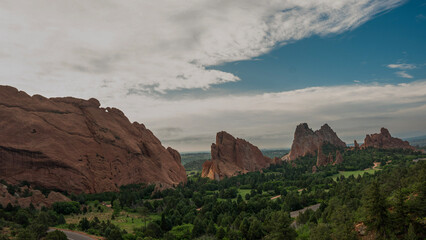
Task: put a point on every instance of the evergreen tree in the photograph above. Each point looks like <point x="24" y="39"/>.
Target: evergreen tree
<point x="278" y="226"/>
<point x="411" y="235"/>
<point x="199" y="228"/>
<point x="377" y="218"/>
<point x="84" y="224"/>
<point x="220" y="233"/>
<point x="255" y="230"/>
<point x="321" y="232"/>
<point x="115" y="234"/>
<point x="165" y="223"/>
<point x="211" y="229"/>
<point x="244" y="227"/>
<point x="56" y="235"/>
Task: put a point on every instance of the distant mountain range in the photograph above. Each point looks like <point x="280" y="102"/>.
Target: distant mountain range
<point x="419" y="141"/>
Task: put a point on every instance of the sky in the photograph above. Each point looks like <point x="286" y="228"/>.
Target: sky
<point x="256" y="69"/>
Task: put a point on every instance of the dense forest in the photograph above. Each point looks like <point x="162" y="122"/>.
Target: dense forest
<point x="389" y="203"/>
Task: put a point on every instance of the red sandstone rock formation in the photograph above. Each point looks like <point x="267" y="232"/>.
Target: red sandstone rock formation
<point x="322" y="160"/>
<point x="339" y="158"/>
<point x="37" y="198"/>
<point x="314" y="169"/>
<point x="231" y="156"/>
<point x="307" y="141"/>
<point x="356" y="145"/>
<point x="276" y="161"/>
<point x="385" y="141"/>
<point x="75" y="145"/>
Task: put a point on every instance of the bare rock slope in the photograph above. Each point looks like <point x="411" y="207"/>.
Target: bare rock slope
<point x="232" y="156"/>
<point x="75" y="145"/>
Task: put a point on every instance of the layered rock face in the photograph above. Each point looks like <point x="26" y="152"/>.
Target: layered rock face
<point x="36" y="198"/>
<point x="232" y="156"/>
<point x="306" y="141"/>
<point x="385" y="141"/>
<point x="75" y="145"/>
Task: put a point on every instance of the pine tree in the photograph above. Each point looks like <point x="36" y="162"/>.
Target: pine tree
<point x="244" y="226"/>
<point x="255" y="230"/>
<point x="278" y="226"/>
<point x="211" y="229"/>
<point x="220" y="233"/>
<point x="199" y="228"/>
<point x="377" y="218"/>
<point x="411" y="235"/>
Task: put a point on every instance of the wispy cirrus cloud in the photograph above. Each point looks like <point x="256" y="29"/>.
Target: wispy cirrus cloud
<point x="69" y="48"/>
<point x="403" y="74"/>
<point x="402" y="66"/>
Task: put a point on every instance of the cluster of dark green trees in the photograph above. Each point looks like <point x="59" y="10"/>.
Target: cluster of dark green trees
<point x="389" y="204"/>
<point x="28" y="224"/>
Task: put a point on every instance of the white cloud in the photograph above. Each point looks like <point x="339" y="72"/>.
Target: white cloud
<point x="110" y="48"/>
<point x="402" y="66"/>
<point x="73" y="47"/>
<point x="404" y="74"/>
<point x="268" y="120"/>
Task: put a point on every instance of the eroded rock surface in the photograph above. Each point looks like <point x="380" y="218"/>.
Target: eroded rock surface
<point x="306" y="141"/>
<point x="75" y="145"/>
<point x="384" y="140"/>
<point x="232" y="156"/>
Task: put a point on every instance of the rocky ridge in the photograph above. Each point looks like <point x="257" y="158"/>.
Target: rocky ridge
<point x="384" y="140"/>
<point x="75" y="145"/>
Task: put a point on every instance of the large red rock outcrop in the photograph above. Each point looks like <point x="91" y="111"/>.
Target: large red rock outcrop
<point x="306" y="141"/>
<point x="232" y="156"/>
<point x="75" y="145"/>
<point x="385" y="141"/>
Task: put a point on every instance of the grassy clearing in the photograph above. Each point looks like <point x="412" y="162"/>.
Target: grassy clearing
<point x="191" y="173"/>
<point x="244" y="192"/>
<point x="125" y="220"/>
<point x="354" y="173"/>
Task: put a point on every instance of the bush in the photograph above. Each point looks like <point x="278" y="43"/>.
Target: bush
<point x="56" y="235"/>
<point x="66" y="208"/>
